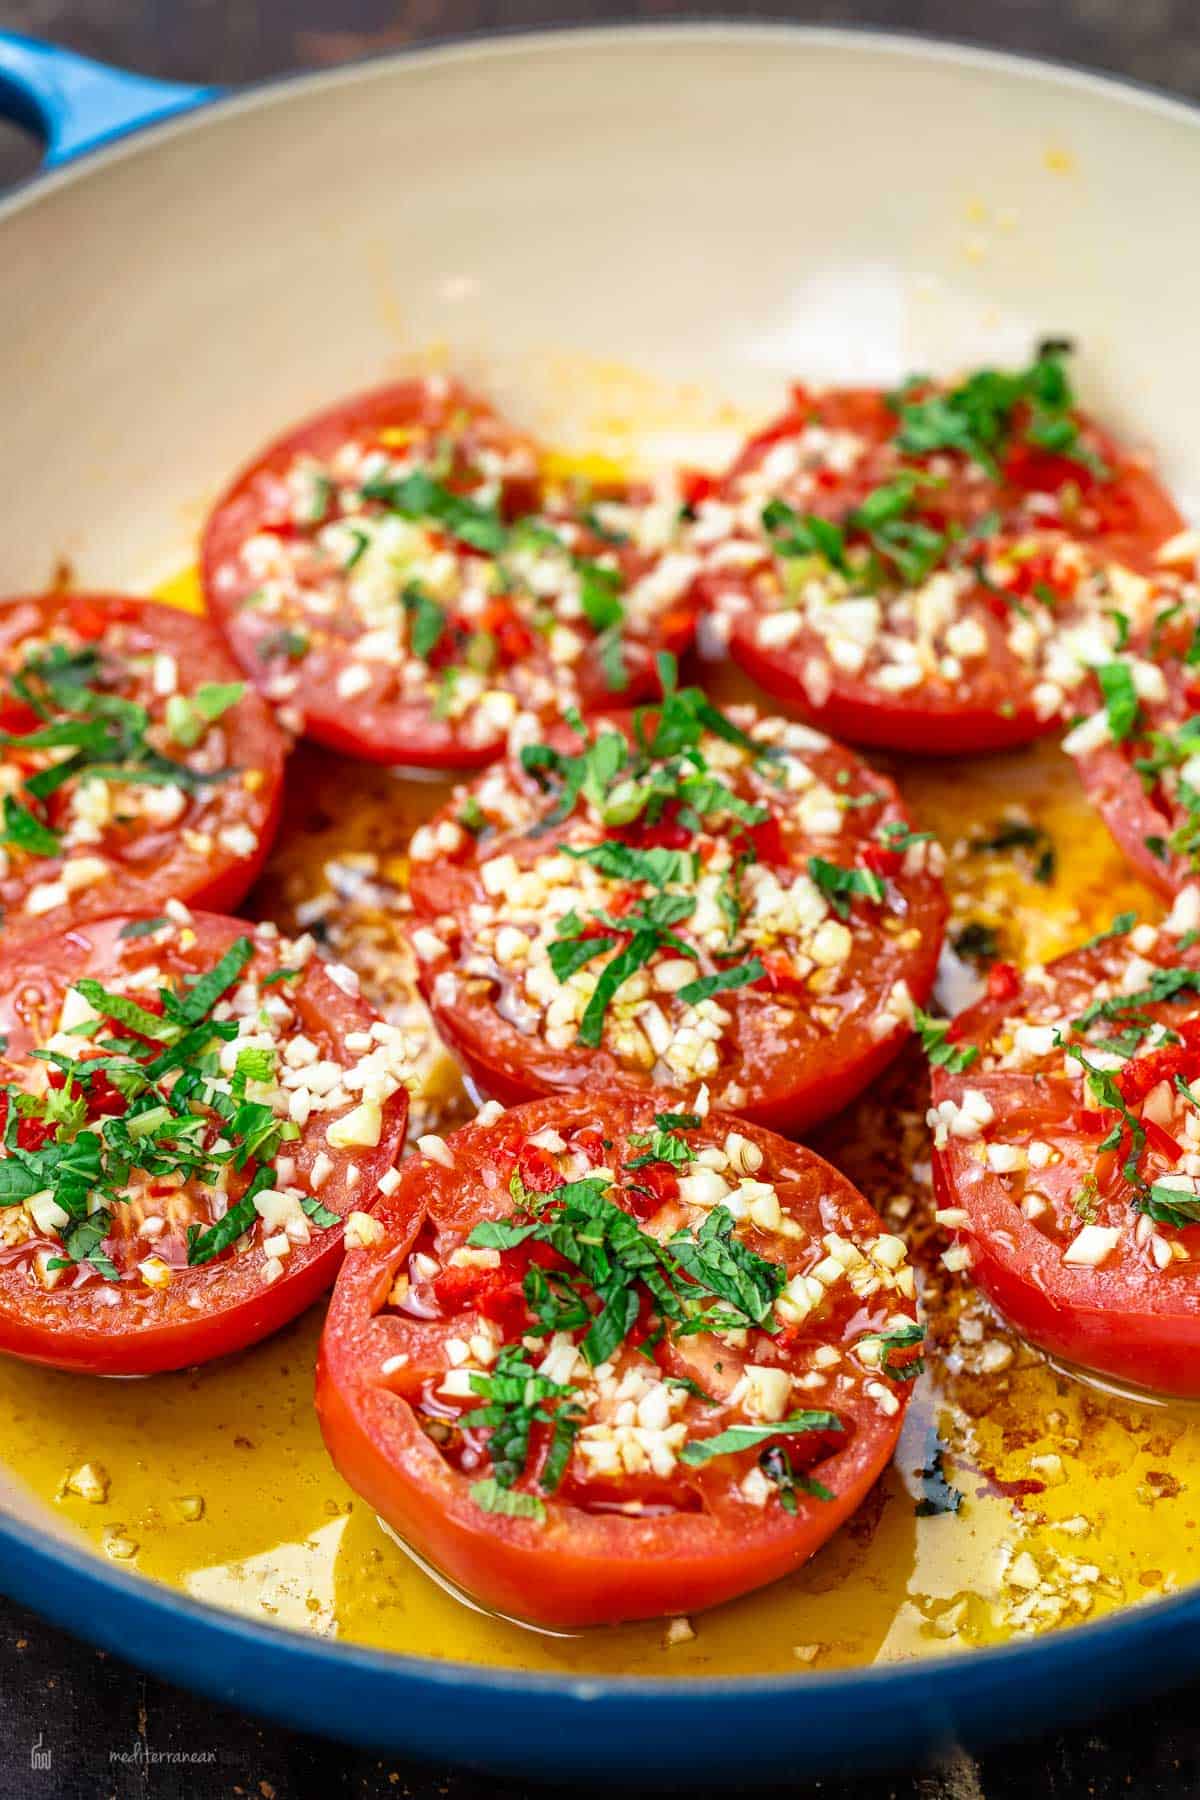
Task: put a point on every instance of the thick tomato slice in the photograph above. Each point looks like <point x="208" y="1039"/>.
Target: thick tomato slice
<point x="576" y="1460"/>
<point x="682" y="896"/>
<point x="137" y="764"/>
<point x="925" y="601"/>
<point x="1070" y="1180"/>
<point x="1145" y="784"/>
<point x="130" y="1240"/>
<point x="382" y="569"/>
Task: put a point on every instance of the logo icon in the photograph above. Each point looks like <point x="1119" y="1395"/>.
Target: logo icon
<point x="39" y="1758"/>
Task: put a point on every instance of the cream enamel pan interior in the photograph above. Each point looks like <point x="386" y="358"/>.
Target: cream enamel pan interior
<point x="725" y="206"/>
<point x="734" y="205"/>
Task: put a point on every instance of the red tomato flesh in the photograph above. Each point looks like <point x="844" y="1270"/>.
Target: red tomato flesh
<point x="92" y="845"/>
<point x="569" y="1484"/>
<point x="825" y="976"/>
<point x="134" y="1296"/>
<point x="1071" y="1186"/>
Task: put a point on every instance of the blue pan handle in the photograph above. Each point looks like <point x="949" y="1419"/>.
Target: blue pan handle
<point x="75" y="104"/>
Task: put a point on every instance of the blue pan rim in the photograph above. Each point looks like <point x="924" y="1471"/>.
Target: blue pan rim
<point x="962" y="1675"/>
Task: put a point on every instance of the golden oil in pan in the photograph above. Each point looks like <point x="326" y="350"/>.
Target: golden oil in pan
<point x="1068" y="1503"/>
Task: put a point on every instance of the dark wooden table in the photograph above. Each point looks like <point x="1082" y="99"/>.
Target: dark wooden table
<point x="109" y="1731"/>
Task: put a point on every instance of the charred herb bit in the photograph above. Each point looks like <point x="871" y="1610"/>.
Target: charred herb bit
<point x="934" y="1036"/>
<point x="1022" y="834"/>
<point x="977" y="942"/>
<point x="938" y="1496"/>
<point x="776" y="1465"/>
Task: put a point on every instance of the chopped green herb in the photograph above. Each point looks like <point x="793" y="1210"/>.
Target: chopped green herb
<point x="1120" y="699"/>
<point x="934" y="1035"/>
<point x="188" y="716"/>
<point x="748" y="1437"/>
<point x="740" y="975"/>
<point x="841" y="886"/>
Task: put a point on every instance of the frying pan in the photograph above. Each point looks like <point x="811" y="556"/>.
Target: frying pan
<point x="735" y="204"/>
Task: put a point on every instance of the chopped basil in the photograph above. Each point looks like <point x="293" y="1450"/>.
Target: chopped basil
<point x="1120" y="699"/>
<point x="490" y="1497"/>
<point x="1121" y="925"/>
<point x="934" y="1035"/>
<point x="140" y="928"/>
<point x="840" y="886"/>
<point x="978" y="417"/>
<point x="656" y="866"/>
<point x="25" y="832"/>
<point x="747" y="1437"/>
<point x="938" y="1496"/>
<point x="188" y="716"/>
<point x="903" y="1338"/>
<point x="722" y="982"/>
<point x="419" y="496"/>
<point x="427" y="621"/>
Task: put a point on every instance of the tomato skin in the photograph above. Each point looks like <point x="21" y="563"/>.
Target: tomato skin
<point x="580" y="1567"/>
<point x="144" y="877"/>
<point x="148" y="1332"/>
<point x="782" y="1089"/>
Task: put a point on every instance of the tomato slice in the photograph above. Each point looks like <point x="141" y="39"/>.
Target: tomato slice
<point x="1146" y="784"/>
<point x="137" y="765"/>
<point x="1069" y="1176"/>
<point x="937" y="601"/>
<point x="576" y="1458"/>
<point x="679" y="896"/>
<point x="382" y="570"/>
<point x="233" y="1064"/>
